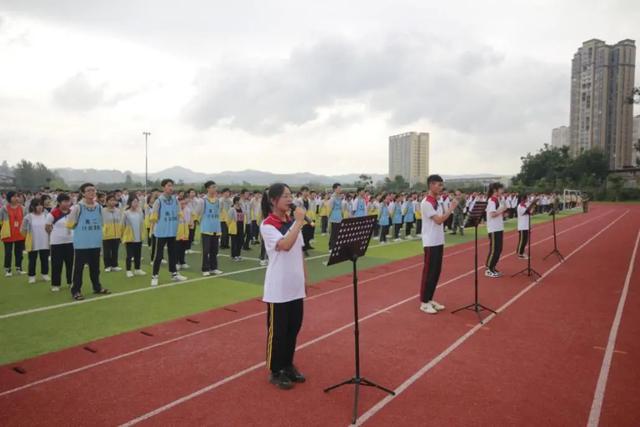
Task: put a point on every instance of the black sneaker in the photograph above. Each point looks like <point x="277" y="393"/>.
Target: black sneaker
<point x="78" y="297"/>
<point x="281" y="380"/>
<point x="295" y="375"/>
<point x="102" y="291"/>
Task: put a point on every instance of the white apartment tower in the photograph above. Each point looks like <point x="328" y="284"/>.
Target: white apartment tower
<point x="409" y="156"/>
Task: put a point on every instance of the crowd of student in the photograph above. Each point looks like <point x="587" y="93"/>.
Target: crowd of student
<point x="65" y="231"/>
<point x="71" y="230"/>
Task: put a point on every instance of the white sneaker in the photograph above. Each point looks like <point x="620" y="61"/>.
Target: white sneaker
<point x="428" y="308"/>
<point x="184" y="266"/>
<point x="116" y="268"/>
<point x="491" y="274"/>
<point x="164" y="261"/>
<point x="32" y="279"/>
<point x="437" y="305"/>
<point x="216" y="272"/>
<point x="140" y="273"/>
<point x="523" y="256"/>
<point x="154" y="281"/>
<point x="55" y="289"/>
<point x="46" y="278"/>
<point x="264" y="262"/>
<point x="498" y="273"/>
<point x="8" y="273"/>
<point x="397" y="240"/>
<point x="206" y="273"/>
<point x="129" y="273"/>
<point x="21" y="272"/>
<point x="107" y="270"/>
<point x="178" y="277"/>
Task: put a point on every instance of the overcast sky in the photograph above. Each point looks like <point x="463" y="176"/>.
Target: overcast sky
<point x="289" y="86"/>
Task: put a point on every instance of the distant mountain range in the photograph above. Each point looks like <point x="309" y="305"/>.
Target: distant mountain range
<point x="179" y="173"/>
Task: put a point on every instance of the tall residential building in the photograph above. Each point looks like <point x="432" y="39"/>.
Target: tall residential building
<point x="636" y="140"/>
<point x="560" y="136"/>
<point x="602" y="79"/>
<point x="409" y="156"/>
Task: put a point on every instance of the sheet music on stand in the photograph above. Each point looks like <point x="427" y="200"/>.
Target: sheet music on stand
<point x="353" y="239"/>
<point x="475" y="215"/>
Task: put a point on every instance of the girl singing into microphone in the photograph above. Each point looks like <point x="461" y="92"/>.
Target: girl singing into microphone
<point x="284" y="283"/>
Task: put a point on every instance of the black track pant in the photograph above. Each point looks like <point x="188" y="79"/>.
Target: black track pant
<point x="16" y="248"/>
<point x="283" y="324"/>
<point x="495" y="249"/>
<point x="523" y="239"/>
<point x="210" y="244"/>
<point x="61" y="254"/>
<point x="430" y="271"/>
<point x="224" y="239"/>
<point x="90" y="257"/>
<point x="110" y="255"/>
<point x="134" y="255"/>
<point x="335" y="227"/>
<point x="384" y="230"/>
<point x="170" y="243"/>
<point x="44" y="262"/>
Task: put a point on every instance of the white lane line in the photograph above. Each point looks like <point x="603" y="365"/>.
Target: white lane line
<point x="211" y="328"/>
<point x="598" y="396"/>
<point x="426" y="368"/>
<point x="198" y="279"/>
<point x="239" y="374"/>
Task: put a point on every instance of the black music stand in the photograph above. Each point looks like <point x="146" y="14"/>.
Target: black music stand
<point x="555" y="250"/>
<point x="528" y="270"/>
<point x="351" y="243"/>
<point x="474" y="218"/>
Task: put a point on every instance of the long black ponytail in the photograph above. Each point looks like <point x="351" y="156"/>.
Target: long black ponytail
<point x="274" y="191"/>
<point x="493" y="188"/>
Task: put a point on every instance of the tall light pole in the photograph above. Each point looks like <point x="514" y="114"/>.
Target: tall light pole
<point x="146" y="161"/>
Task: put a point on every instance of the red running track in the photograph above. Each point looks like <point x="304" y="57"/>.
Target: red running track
<point x="525" y="351"/>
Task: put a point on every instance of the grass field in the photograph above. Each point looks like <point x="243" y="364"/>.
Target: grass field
<point x="33" y="320"/>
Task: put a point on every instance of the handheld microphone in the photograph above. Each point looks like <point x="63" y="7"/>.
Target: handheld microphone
<point x="293" y="207"/>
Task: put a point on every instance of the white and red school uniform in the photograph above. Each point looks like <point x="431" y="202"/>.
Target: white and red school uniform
<point x="433" y="247"/>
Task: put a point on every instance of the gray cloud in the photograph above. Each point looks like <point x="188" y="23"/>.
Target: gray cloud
<point x="79" y="93"/>
<point x="411" y="77"/>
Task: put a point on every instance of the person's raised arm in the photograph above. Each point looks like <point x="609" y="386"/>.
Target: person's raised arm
<point x="289" y="239"/>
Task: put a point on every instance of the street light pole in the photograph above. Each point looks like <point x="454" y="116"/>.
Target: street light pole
<point x="146" y="161"/>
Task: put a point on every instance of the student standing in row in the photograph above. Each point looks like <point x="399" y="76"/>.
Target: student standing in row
<point x="164" y="216"/>
<point x="132" y="225"/>
<point x="210" y="214"/>
<point x="236" y="228"/>
<point x="86" y="221"/>
<point x="384" y="219"/>
<point x="433" y="218"/>
<point x="495" y="227"/>
<point x="37" y="239"/>
<point x="185" y="221"/>
<point x="11" y="216"/>
<point x="335" y="213"/>
<point x="284" y="284"/>
<point x="111" y="233"/>
<point x="325" y="208"/>
<point x="61" y="242"/>
<point x="225" y="206"/>
<point x="396" y="215"/>
<point x="408" y="216"/>
<point x="523" y="225"/>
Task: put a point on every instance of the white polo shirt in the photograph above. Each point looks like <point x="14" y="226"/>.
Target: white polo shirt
<point x="494" y="223"/>
<point x="60" y="234"/>
<point x="284" y="279"/>
<point x="523" y="217"/>
<point x="432" y="233"/>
